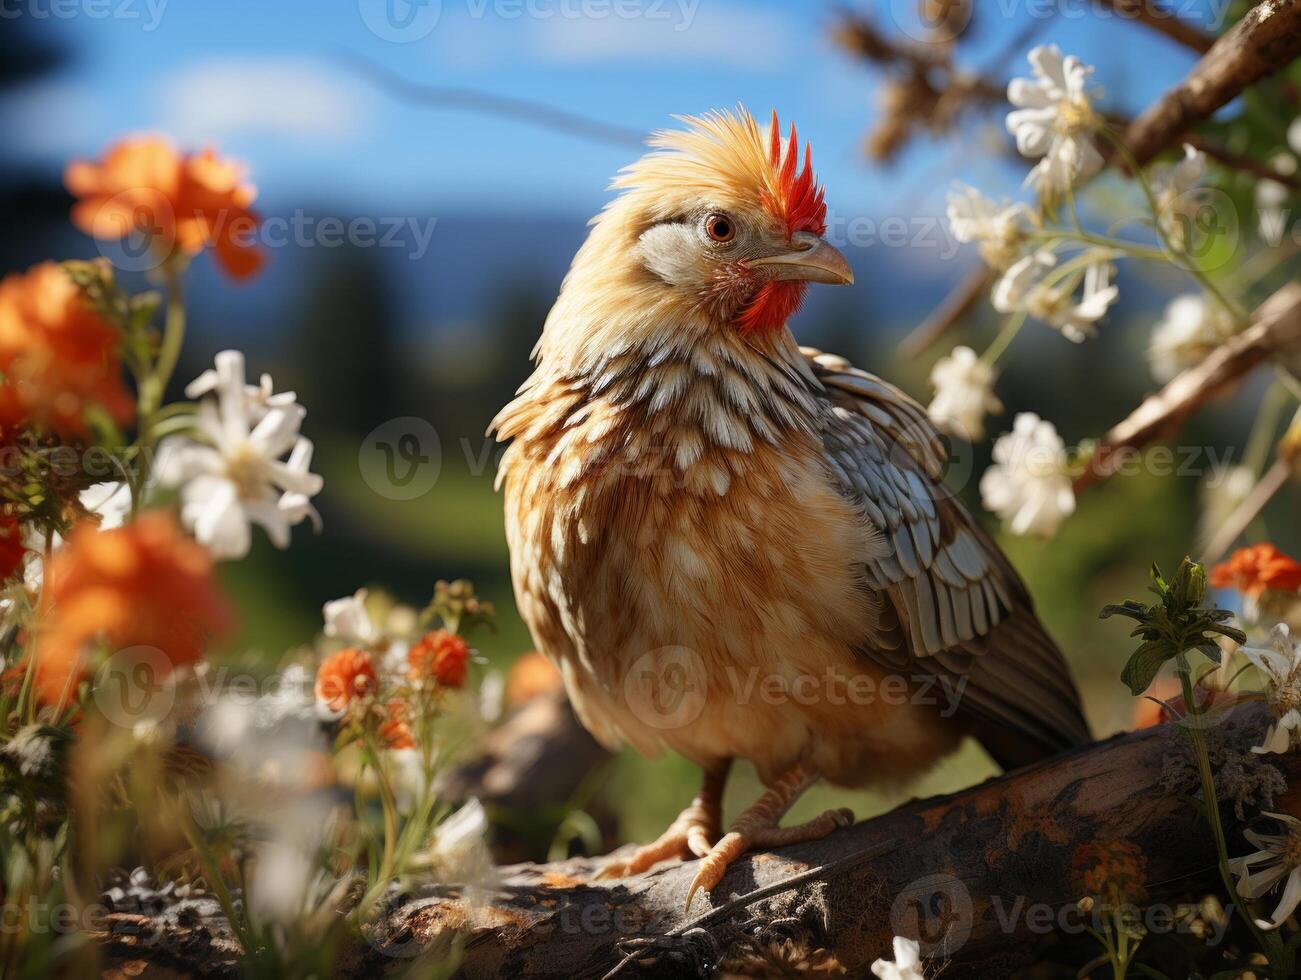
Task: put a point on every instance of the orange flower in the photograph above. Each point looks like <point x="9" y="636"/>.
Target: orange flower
<point x="395" y="731"/>
<point x="1257" y="569"/>
<point x="344" y="676"/>
<point x="142" y="585"/>
<point x="11" y="547"/>
<point x="1149" y="714"/>
<point x="530" y="675"/>
<point x="439" y="655"/>
<point x="57" y="355"/>
<point x="184" y="203"/>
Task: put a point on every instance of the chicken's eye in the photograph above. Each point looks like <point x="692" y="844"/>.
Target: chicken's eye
<point x="720" y="228"/>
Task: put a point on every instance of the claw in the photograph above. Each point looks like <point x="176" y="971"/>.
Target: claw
<point x="684" y="839"/>
<point x="748" y="836"/>
<point x="714" y="865"/>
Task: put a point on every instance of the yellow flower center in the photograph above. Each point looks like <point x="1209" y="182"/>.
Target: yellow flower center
<point x="244" y="469"/>
<point x="1076" y="116"/>
<point x="1286" y="697"/>
<point x="1291" y="852"/>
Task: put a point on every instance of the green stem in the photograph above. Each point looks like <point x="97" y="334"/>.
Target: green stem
<point x="169" y="352"/>
<point x="1131" y="249"/>
<point x="1011" y="327"/>
<point x="154" y="386"/>
<point x="1263" y="428"/>
<point x="213" y="877"/>
<point x="1195" y="731"/>
<point x="388" y="804"/>
<point x="1188" y="263"/>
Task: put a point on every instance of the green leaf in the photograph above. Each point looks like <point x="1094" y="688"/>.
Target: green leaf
<point x="1129" y="607"/>
<point x="1144" y="664"/>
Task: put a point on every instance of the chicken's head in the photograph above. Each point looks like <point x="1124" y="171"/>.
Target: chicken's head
<point x="731" y="220"/>
<point x="716" y="232"/>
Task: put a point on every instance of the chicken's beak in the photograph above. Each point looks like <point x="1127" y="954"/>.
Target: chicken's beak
<point x="813" y="259"/>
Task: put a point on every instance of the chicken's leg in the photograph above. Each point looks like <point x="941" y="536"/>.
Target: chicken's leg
<point x="757" y="827"/>
<point x="692" y="834"/>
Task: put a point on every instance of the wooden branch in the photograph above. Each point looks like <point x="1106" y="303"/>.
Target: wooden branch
<point x="956" y="305"/>
<point x="1275" y="327"/>
<point x="1265" y="41"/>
<point x="1242" y="162"/>
<point x="538" y="758"/>
<point x="980" y="877"/>
<point x="1150" y="14"/>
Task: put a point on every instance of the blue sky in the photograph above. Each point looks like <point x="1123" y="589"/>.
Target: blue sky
<point x="263" y="80"/>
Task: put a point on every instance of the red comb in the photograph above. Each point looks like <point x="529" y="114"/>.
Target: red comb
<point x="798" y="198"/>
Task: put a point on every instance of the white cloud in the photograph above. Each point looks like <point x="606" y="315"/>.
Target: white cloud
<point x="719" y="34"/>
<point x="709" y="32"/>
<point x="295" y="98"/>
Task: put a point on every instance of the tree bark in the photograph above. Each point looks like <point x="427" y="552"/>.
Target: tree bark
<point x="984" y="878"/>
<point x="1265" y="41"/>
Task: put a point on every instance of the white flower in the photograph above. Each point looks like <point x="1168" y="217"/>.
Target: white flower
<point x="1277" y="856"/>
<point x="998" y="227"/>
<point x="964" y="394"/>
<point x="1191" y="328"/>
<point x="1271" y="195"/>
<point x="492" y="696"/>
<point x="907" y="963"/>
<point x="236" y="476"/>
<point x="460" y="851"/>
<point x="1174" y="187"/>
<point x="111" y="501"/>
<point x="348" y="620"/>
<point x="259" y="398"/>
<point x="1054" y="121"/>
<point x="1027" y="485"/>
<point x="1282" y="669"/>
<point x="1024" y="289"/>
<point x="283" y="879"/>
<point x="225" y="726"/>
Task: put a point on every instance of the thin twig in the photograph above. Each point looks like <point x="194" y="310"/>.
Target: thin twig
<point x="1240" y="161"/>
<point x="1261" y="494"/>
<point x="1152" y="15"/>
<point x="511" y="107"/>
<point x="956" y="305"/>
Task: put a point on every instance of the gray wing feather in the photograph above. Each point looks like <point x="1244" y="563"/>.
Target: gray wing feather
<point x="961" y="608"/>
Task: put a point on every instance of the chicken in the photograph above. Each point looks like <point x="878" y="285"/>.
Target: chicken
<point x="741" y="549"/>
